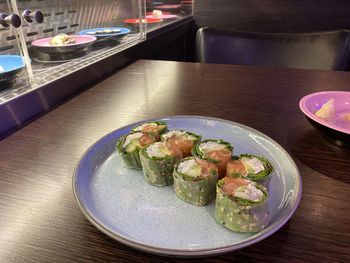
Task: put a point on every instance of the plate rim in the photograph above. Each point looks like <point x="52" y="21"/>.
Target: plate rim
<point x="170" y="16"/>
<point x="92" y="39"/>
<point x="308" y="113"/>
<point x="16" y="68"/>
<point x="271" y="229"/>
<point x="149" y="21"/>
<point x="168" y="6"/>
<point x="127" y="31"/>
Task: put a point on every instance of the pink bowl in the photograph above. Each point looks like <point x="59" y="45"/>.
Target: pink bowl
<point x="313" y="102"/>
<point x="82" y="42"/>
<point x="336" y="130"/>
<point x="79" y="40"/>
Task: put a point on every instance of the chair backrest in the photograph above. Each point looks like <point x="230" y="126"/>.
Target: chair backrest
<point x="320" y="50"/>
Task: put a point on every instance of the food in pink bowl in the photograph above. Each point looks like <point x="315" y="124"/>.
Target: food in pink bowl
<point x="63" y="40"/>
<point x="63" y="43"/>
<point x="329" y="111"/>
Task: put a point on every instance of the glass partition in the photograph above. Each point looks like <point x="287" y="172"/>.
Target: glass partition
<point x="15" y="69"/>
<point x="73" y="31"/>
<point x="53" y="38"/>
<point x="44" y="41"/>
<point x="162" y="12"/>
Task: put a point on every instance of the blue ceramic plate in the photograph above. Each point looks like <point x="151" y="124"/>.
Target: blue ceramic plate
<point x="11" y="66"/>
<point x="123" y="32"/>
<point x="120" y="203"/>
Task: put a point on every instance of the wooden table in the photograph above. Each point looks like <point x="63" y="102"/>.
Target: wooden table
<point x="40" y="220"/>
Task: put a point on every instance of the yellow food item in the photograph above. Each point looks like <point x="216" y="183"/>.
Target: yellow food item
<point x="61" y="40"/>
<point x="327" y="111"/>
<point x="346" y="116"/>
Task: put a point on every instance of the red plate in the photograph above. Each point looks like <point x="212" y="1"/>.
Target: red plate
<point x="164" y="13"/>
<point x="147" y="20"/>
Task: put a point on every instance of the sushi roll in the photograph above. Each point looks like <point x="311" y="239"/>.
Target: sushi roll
<point x="158" y="161"/>
<point x="155" y="128"/>
<point x="184" y="140"/>
<point x="157" y="13"/>
<point x="218" y="152"/>
<point x="249" y="166"/>
<point x="129" y="145"/>
<point x="241" y="205"/>
<point x="195" y="180"/>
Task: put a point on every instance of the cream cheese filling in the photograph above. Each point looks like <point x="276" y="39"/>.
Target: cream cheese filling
<point x="131" y="137"/>
<point x="190" y="168"/>
<point x="211" y="146"/>
<point x="158" y="149"/>
<point x="249" y="192"/>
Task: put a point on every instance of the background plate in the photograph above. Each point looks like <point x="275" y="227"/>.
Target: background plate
<point x="123" y="32"/>
<point x="11" y="67"/>
<point x="82" y="42"/>
<point x="120" y="203"/>
<point x="167" y="6"/>
<point x="147" y="20"/>
<point x="164" y="16"/>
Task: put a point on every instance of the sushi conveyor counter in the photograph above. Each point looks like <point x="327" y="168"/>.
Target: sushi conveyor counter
<point x="41" y="220"/>
<point x="55" y="81"/>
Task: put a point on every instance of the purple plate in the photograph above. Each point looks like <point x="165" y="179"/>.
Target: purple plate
<point x="167" y="6"/>
<point x="337" y="128"/>
<point x="82" y="42"/>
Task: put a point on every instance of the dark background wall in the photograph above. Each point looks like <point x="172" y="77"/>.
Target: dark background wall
<point x="273" y="15"/>
<point x="257" y="16"/>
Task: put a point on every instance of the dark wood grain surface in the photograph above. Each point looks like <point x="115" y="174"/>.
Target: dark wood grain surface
<point x="40" y="220"/>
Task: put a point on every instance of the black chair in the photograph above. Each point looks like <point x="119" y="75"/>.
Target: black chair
<point x="321" y="50"/>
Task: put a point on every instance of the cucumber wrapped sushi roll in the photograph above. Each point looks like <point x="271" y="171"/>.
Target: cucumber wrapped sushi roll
<point x="158" y="161"/>
<point x="129" y="145"/>
<point x="218" y="152"/>
<point x="155" y="128"/>
<point x="184" y="140"/>
<point x="195" y="180"/>
<point x="241" y="205"/>
<point x="249" y="166"/>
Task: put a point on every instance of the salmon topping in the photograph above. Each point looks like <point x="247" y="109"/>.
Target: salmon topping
<point x="185" y="145"/>
<point x="231" y="184"/>
<point x="207" y="168"/>
<point x="175" y="151"/>
<point x="236" y="167"/>
<point x="146" y="140"/>
<point x="150" y="128"/>
<point x="222" y="156"/>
